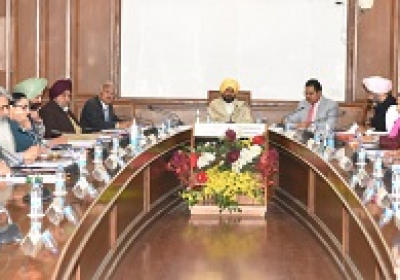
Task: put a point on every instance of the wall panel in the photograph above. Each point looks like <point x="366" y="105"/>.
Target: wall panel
<point x="25" y="40"/>
<point x="373" y="44"/>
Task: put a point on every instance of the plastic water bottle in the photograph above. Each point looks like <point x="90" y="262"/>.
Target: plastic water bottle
<point x="82" y="161"/>
<point x="36" y="198"/>
<point x="115" y="144"/>
<point x="208" y="118"/>
<point x="60" y="182"/>
<point x="133" y="135"/>
<point x="361" y="156"/>
<point x="329" y="138"/>
<point x="197" y="116"/>
<point x="98" y="152"/>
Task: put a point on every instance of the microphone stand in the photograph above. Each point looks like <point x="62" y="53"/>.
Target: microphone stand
<point x="173" y="116"/>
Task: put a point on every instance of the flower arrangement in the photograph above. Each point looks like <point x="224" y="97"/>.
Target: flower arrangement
<point x="225" y="170"/>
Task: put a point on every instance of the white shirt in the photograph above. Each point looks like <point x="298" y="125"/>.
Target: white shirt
<point x="106" y="110"/>
<point x="391" y="117"/>
<point x="229" y="107"/>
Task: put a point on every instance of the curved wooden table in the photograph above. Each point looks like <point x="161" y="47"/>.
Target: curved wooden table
<point x="318" y="194"/>
<point x="314" y="191"/>
<point x="137" y="195"/>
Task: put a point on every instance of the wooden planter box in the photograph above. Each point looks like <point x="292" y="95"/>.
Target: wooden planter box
<point x="249" y="207"/>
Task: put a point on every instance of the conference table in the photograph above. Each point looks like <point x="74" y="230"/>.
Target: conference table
<point x="316" y="192"/>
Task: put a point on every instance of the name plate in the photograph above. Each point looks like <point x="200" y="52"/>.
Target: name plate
<point x="218" y="129"/>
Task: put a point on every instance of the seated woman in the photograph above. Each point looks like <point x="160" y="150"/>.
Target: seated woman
<point x="21" y="125"/>
<point x="227" y="108"/>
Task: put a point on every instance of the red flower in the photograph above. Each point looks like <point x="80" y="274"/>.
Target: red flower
<point x="193" y="160"/>
<point x="201" y="177"/>
<point x="258" y="140"/>
<point x="232" y="156"/>
<point x="230" y="135"/>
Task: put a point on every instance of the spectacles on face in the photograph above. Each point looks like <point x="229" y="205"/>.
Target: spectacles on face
<point x="35" y="106"/>
<point x="23" y="107"/>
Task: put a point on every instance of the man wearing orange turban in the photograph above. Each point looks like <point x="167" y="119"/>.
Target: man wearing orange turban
<point x="228" y="108"/>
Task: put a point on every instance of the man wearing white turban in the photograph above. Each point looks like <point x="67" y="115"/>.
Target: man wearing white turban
<point x="227" y="108"/>
<point x="380" y="87"/>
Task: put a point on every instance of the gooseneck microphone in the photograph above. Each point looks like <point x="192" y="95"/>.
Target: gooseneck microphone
<point x="174" y="117"/>
<point x="292" y="113"/>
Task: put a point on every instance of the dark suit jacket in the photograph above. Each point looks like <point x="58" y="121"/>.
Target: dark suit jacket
<point x="378" y="121"/>
<point x="56" y="119"/>
<point x="92" y="116"/>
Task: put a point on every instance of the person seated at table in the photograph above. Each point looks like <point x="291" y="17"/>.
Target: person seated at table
<point x="56" y="114"/>
<point x="227" y="108"/>
<point x="395" y="126"/>
<point x="98" y="112"/>
<point x="381" y="89"/>
<point x="33" y="88"/>
<point x="7" y="138"/>
<point x="316" y="110"/>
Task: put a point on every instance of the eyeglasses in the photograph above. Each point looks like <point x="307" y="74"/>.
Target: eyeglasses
<point x="35" y="106"/>
<point x="4" y="107"/>
<point x="23" y="107"/>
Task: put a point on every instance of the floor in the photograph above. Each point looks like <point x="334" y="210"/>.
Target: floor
<point x="180" y="247"/>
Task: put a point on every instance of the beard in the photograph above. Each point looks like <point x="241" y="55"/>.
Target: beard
<point x="228" y="98"/>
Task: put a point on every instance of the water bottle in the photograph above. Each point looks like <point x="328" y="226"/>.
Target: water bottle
<point x="36" y="208"/>
<point x="361" y="156"/>
<point x="98" y="152"/>
<point x="377" y="169"/>
<point x="197" y="116"/>
<point x="82" y="161"/>
<point x="60" y="182"/>
<point x="330" y="138"/>
<point x="208" y="118"/>
<point x="133" y="134"/>
<point x="36" y="198"/>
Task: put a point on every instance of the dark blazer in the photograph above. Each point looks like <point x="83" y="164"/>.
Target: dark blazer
<point x="378" y="121"/>
<point x="92" y="116"/>
<point x="23" y="139"/>
<point x="56" y="119"/>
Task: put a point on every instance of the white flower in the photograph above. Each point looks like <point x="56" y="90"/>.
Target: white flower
<point x="246" y="155"/>
<point x="205" y="159"/>
<point x="255" y="150"/>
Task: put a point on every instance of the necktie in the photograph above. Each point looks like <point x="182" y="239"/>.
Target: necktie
<point x="310" y="113"/>
<point x="106" y="114"/>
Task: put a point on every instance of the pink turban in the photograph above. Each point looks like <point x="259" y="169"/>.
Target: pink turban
<point x="59" y="87"/>
<point x="377" y="85"/>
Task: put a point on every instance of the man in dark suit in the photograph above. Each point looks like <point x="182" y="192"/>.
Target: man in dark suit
<point x="56" y="115"/>
<point x="98" y="112"/>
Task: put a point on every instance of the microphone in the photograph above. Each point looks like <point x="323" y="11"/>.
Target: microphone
<point x="11" y="159"/>
<point x="177" y="120"/>
<point x="291" y="113"/>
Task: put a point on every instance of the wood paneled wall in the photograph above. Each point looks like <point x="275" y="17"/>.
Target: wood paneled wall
<point x="80" y="39"/>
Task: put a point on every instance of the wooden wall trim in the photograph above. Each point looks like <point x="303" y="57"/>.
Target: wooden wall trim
<point x="394" y="44"/>
<point x="351" y="64"/>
